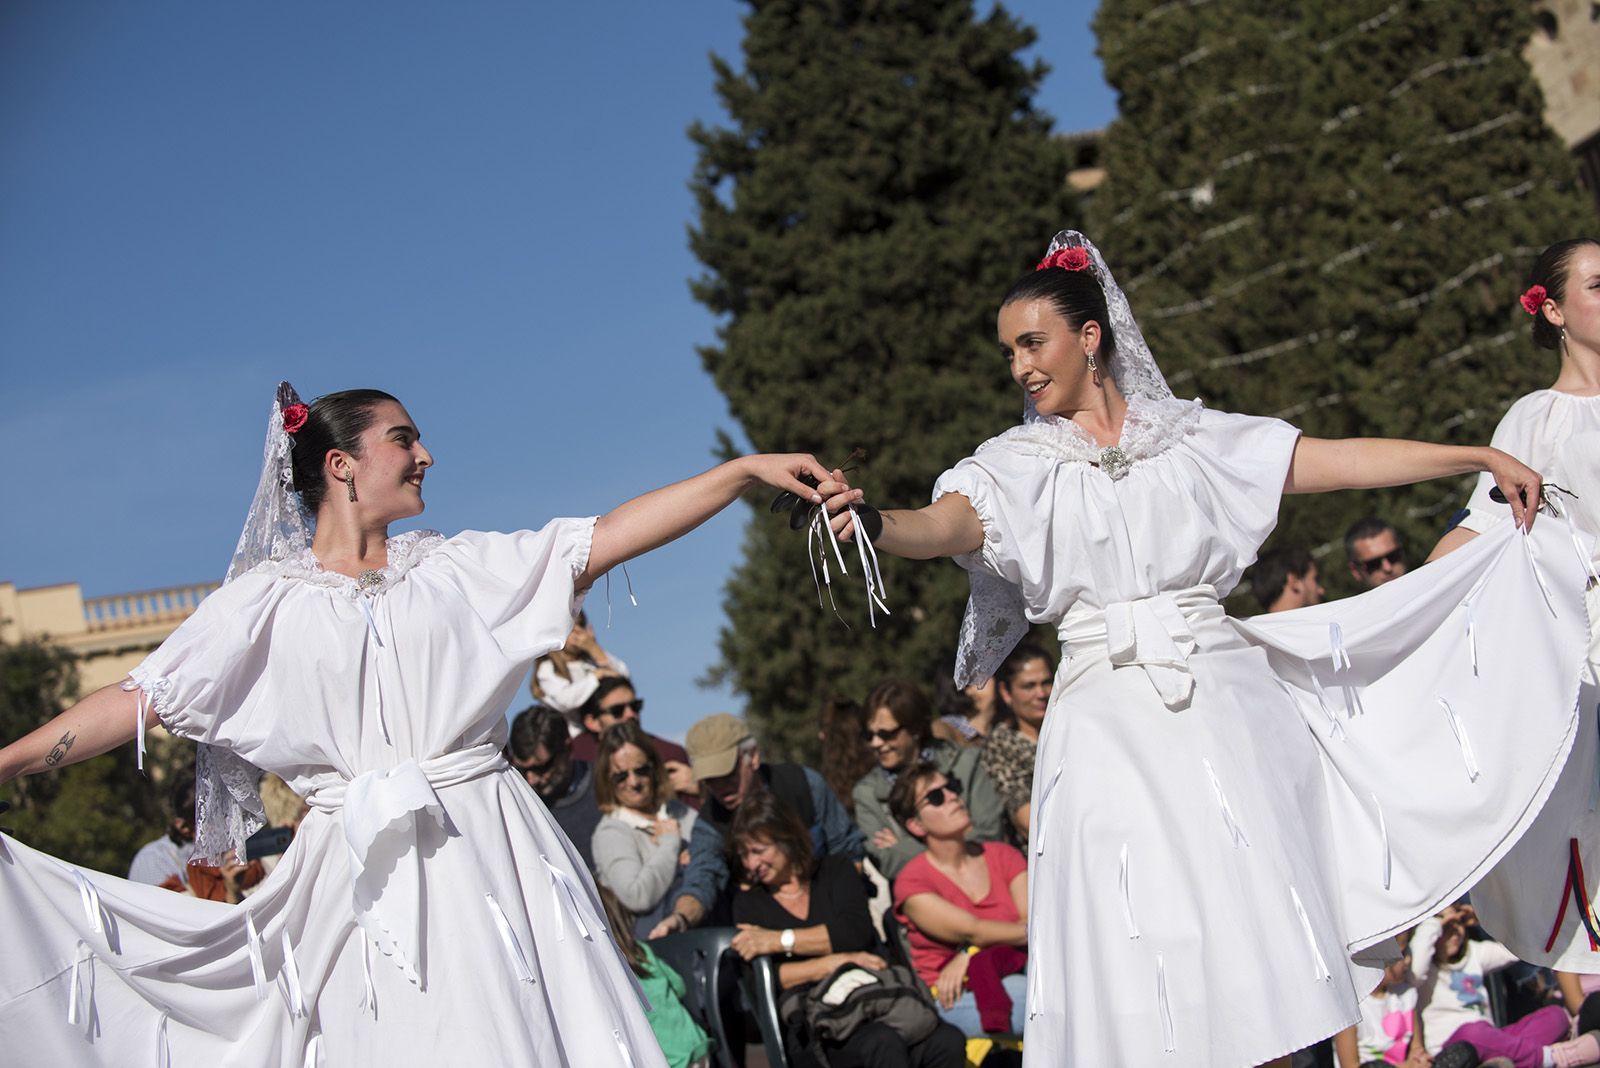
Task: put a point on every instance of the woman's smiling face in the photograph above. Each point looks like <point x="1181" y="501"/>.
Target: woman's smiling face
<point x="1047" y="356"/>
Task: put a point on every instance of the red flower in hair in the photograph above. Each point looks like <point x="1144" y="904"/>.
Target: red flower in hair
<point x="295" y="416"/>
<point x="1533" y="298"/>
<point x="1070" y="259"/>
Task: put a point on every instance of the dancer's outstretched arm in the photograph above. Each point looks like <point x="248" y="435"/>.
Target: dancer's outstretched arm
<point x="1322" y="464"/>
<point x="652" y="519"/>
<point x="97" y="724"/>
<point x="947" y="527"/>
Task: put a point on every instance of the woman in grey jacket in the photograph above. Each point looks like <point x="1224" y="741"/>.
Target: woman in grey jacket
<point x="641" y="842"/>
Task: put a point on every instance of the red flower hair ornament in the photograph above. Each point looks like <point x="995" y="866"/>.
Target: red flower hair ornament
<point x="295" y="416"/>
<point x="1533" y="298"/>
<point x="1069" y="259"/>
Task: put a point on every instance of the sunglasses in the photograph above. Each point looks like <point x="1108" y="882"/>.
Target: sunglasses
<point x="619" y="777"/>
<point x="1393" y="556"/>
<point x="936" y="796"/>
<point x="529" y="770"/>
<point x="889" y="735"/>
<point x="636" y="706"/>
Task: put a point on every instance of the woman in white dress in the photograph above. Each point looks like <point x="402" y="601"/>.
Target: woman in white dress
<point x="1225" y="813"/>
<point x="1557" y="430"/>
<point x="430" y="911"/>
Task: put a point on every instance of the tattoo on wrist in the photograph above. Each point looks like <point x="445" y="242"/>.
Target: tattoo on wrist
<point x="58" y="752"/>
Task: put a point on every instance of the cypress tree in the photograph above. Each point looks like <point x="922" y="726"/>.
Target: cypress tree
<point x="883" y="178"/>
<point x="1325" y="211"/>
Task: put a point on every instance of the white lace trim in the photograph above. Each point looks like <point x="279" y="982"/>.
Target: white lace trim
<point x="405" y="552"/>
<point x="1149" y="428"/>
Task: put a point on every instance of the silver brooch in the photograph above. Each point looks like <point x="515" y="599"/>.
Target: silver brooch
<point x="1114" y="462"/>
<point x="369" y="581"/>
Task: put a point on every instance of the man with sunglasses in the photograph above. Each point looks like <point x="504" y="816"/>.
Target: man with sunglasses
<point x="1375" y="551"/>
<point x="540" y="748"/>
<point x="615" y="700"/>
<point x="897" y="726"/>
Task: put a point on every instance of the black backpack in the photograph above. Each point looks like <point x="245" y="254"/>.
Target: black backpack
<point x="834" y="1008"/>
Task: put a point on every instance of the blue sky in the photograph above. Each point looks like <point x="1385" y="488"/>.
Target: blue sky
<point x="480" y="207"/>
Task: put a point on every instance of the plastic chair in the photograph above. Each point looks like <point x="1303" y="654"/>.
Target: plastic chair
<point x="705" y="958"/>
<point x="761" y="991"/>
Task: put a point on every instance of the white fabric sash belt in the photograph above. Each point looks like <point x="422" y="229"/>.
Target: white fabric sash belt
<point x="390" y="819"/>
<point x="1154" y="633"/>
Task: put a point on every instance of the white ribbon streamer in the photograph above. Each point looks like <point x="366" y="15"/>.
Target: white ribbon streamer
<point x="369" y="992"/>
<point x="870" y="568"/>
<point x="1311" y="939"/>
<point x="1538" y="576"/>
<point x="91" y="903"/>
<point x="566" y="888"/>
<point x="1037" y="834"/>
<point x="622" y="1048"/>
<point x="508" y="937"/>
<point x="84" y="954"/>
<point x="142" y="712"/>
<point x="1472" y="636"/>
<point x="1234" y="830"/>
<point x="1167" y="1042"/>
<point x="1383" y="829"/>
<point x="1460" y="731"/>
<point x="163" y="1047"/>
<point x="377" y="685"/>
<point x="1127" y="895"/>
<point x="1336" y="650"/>
<point x="291" y="979"/>
<point x="258" y="964"/>
<point x="314" y="1051"/>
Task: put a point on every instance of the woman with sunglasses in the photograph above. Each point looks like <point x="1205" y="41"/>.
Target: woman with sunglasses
<point x="1557" y="429"/>
<point x="641" y="842"/>
<point x="964" y="905"/>
<point x="1286" y="791"/>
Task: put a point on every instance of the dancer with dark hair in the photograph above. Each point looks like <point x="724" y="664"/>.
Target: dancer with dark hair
<point x="1225" y="813"/>
<point x="429" y="905"/>
<point x="1559" y="430"/>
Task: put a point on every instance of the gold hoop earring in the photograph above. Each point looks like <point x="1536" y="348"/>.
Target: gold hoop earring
<point x="350" y="484"/>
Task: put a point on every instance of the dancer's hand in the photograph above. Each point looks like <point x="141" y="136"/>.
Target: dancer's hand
<point x="952" y="978"/>
<point x="1522" y="485"/>
<point x="795" y="472"/>
<point x="837" y="499"/>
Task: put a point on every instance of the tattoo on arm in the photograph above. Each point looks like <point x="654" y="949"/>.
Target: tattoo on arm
<point x="58" y="752"/>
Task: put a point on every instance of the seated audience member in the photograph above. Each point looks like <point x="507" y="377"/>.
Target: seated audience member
<point x="897" y="724"/>
<point x="541" y="749"/>
<point x="844" y="757"/>
<point x="966" y="715"/>
<point x="1285" y="579"/>
<point x="727" y="761"/>
<point x="614" y="701"/>
<point x="166" y="860"/>
<point x="812" y="915"/>
<point x="1384" y="1035"/>
<point x="565" y="679"/>
<point x="1023" y="686"/>
<point x="284" y="809"/>
<point x="1453" y="1005"/>
<point x="684" y="1043"/>
<point x="965" y="907"/>
<point x="641" y="842"/>
<point x="1579" y="993"/>
<point x="1375" y="551"/>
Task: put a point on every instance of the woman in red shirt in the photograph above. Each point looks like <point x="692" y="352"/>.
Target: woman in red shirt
<point x="965" y="906"/>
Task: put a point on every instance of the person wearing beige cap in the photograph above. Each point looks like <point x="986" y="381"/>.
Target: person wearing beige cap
<point x="726" y="759"/>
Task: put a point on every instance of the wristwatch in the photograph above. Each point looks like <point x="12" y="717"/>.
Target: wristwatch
<point x="786" y="940"/>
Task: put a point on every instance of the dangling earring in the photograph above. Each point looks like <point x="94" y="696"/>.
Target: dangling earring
<point x="1094" y="369"/>
<point x="350" y="483"/>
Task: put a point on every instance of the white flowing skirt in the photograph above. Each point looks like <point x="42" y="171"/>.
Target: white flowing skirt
<point x="1205" y="881"/>
<point x="126" y="974"/>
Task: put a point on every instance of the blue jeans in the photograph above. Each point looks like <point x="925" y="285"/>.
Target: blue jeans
<point x="964" y="1013"/>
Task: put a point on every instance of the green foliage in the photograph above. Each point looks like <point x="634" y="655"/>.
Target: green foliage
<point x="94" y="814"/>
<point x="884" y="179"/>
<point x="1325" y="212"/>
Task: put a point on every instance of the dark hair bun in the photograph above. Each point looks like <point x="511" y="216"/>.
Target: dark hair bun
<point x="1550" y="270"/>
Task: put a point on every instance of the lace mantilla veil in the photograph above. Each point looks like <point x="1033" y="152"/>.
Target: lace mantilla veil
<point x="996" y="618"/>
<point x="227" y="791"/>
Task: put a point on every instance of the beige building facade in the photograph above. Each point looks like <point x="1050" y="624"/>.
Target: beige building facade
<point x="1564" y="53"/>
<point x="107" y="635"/>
